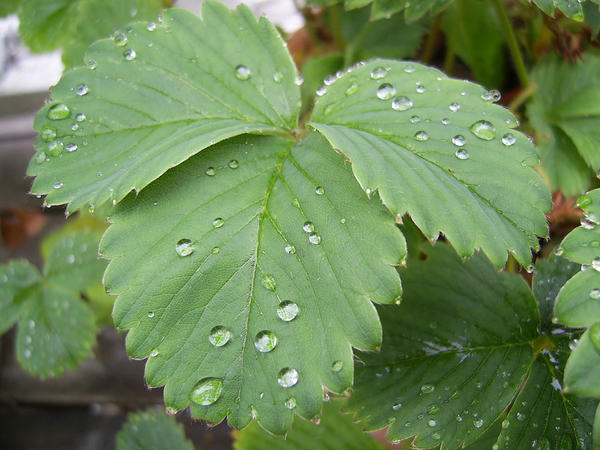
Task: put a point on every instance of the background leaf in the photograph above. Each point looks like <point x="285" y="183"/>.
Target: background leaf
<point x="582" y="373"/>
<point x="435" y="148"/>
<point x="577" y="305"/>
<point x="16" y="279"/>
<point x="44" y="25"/>
<point x="9" y="7"/>
<point x="152" y="429"/>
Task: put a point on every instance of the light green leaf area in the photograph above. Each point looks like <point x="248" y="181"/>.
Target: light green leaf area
<point x="9" y="7"/>
<point x="582" y="245"/>
<point x="155" y="95"/>
<point x="56" y="329"/>
<point x="565" y="113"/>
<point x="582" y="372"/>
<point x="45" y="24"/>
<point x="454" y="353"/>
<point x="542" y="415"/>
<point x="549" y="277"/>
<point x="152" y="430"/>
<point x="434" y="147"/>
<point x="314" y="72"/>
<point x="97" y="19"/>
<point x="571" y="9"/>
<point x="578" y="303"/>
<point x="270" y="255"/>
<point x="334" y="431"/>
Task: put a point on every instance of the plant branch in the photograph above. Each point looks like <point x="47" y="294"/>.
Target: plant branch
<point x="513" y="44"/>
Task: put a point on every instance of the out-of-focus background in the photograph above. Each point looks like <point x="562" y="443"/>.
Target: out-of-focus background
<point x="83" y="409"/>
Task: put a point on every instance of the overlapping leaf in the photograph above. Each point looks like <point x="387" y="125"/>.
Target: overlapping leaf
<point x="55" y="328"/>
<point x="251" y="268"/>
<point x="157" y="94"/>
<point x="334" y="430"/>
<point x="385" y="8"/>
<point x="435" y="148"/>
<point x="566" y="117"/>
<point x="455" y="355"/>
<point x="152" y="429"/>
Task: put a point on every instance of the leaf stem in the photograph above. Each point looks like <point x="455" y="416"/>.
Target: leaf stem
<point x="336" y="27"/>
<point x="432" y="39"/>
<point x="522" y="97"/>
<point x="513" y="44"/>
<point x="452" y="40"/>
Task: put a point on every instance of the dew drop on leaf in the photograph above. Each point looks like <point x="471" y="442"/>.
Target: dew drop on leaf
<point x="150" y="314"/>
<point x="478" y="423"/>
<point x="277" y="77"/>
<point x="421" y="136"/>
<point x="402" y="103"/>
<point x="219" y="336"/>
<point x="319" y="190"/>
<point x="454" y="107"/>
<point x="80" y="117"/>
<point x="308" y="227"/>
<point x="436" y="436"/>
<point x="265" y="341"/>
<point x="91" y="64"/>
<point x="521" y="417"/>
<point x="242" y="72"/>
<point x="234" y="164"/>
<point x="433" y="409"/>
<point x="184" y="247"/>
<point x="409" y="69"/>
<point x="290" y="249"/>
<point x="81" y="89"/>
<point x="378" y="73"/>
<point x="48" y="133"/>
<point x="207" y="391"/>
<point x="154" y="353"/>
<point x="269" y="282"/>
<point x="427" y="388"/>
<point x="57" y="185"/>
<point x="352" y="89"/>
<point x="386" y="91"/>
<point x="55" y="148"/>
<point x="462" y="153"/>
<point x="491" y="96"/>
<point x="505" y="424"/>
<point x="321" y="91"/>
<point x="337" y="366"/>
<point x="129" y="54"/>
<point x="483" y="130"/>
<point x="218" y="222"/>
<point x="595" y="294"/>
<point x="151" y="26"/>
<point x="396" y="406"/>
<point x="215" y="250"/>
<point x="120" y="39"/>
<point x="431" y="423"/>
<point x="459" y="140"/>
<point x="40" y="157"/>
<point x="420" y="89"/>
<point x="299" y="80"/>
<point x="415" y="119"/>
<point x="59" y="112"/>
<point x="509" y="139"/>
<point x="287" y="311"/>
<point x="314" y="238"/>
<point x="287" y="377"/>
<point x="210" y="172"/>
<point x="290" y="403"/>
<point x="596" y="264"/>
<point x="71" y="147"/>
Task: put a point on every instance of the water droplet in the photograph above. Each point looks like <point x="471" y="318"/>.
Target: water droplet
<point x="415" y="119"/>
<point x="478" y="423"/>
<point x="378" y="73"/>
<point x="219" y="336"/>
<point x="81" y="89"/>
<point x="80" y="117"/>
<point x="484" y="130"/>
<point x="352" y="89"/>
<point x="445" y="121"/>
<point x="421" y="136"/>
<point x="234" y="164"/>
<point x="242" y="72"/>
<point x="321" y="91"/>
<point x="151" y="26"/>
<point x="299" y="80"/>
<point x="505" y="424"/>
<point x="290" y="403"/>
<point x="595" y="294"/>
<point x="427" y="388"/>
<point x="91" y="64"/>
<point x="315" y="239"/>
<point x="265" y="341"/>
<point x="215" y="250"/>
<point x="287" y="311"/>
<point x="70" y="259"/>
<point x="396" y="406"/>
<point x="433" y="410"/>
<point x="120" y="39"/>
<point x="287" y="377"/>
<point x="420" y="89"/>
<point x="207" y="391"/>
<point x="154" y="353"/>
<point x="55" y="148"/>
<point x="336" y="366"/>
<point x="521" y="417"/>
<point x="436" y="436"/>
<point x="71" y="147"/>
<point x="459" y="140"/>
<point x="596" y="264"/>
<point x="210" y="172"/>
<point x="454" y="107"/>
<point x="129" y="54"/>
<point x="491" y="96"/>
<point x="462" y="153"/>
<point x="48" y="133"/>
<point x="269" y="282"/>
<point x="308" y="227"/>
<point x="218" y="222"/>
<point x="59" y="112"/>
<point x="402" y="103"/>
<point x="277" y="77"/>
<point x="57" y="185"/>
<point x="431" y="423"/>
<point x="27" y="353"/>
<point x="184" y="247"/>
<point x="28" y="340"/>
<point x="342" y="220"/>
<point x="558" y="251"/>
<point x="386" y="91"/>
<point x="150" y="314"/>
<point x="509" y="139"/>
<point x="409" y="69"/>
<point x="290" y="249"/>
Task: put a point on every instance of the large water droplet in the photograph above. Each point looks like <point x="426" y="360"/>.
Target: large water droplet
<point x="484" y="130"/>
<point x="431" y="423"/>
<point x="421" y="136"/>
<point x="462" y="153"/>
<point x="402" y="103"/>
<point x="207" y="391"/>
<point x="265" y="341"/>
<point x="59" y="112"/>
<point x="386" y="91"/>
<point x="491" y="96"/>
<point x="269" y="282"/>
<point x="81" y="89"/>
<point x="308" y="227"/>
<point x="129" y="54"/>
<point x="219" y="336"/>
<point x="509" y="139"/>
<point x="120" y="39"/>
<point x="287" y="377"/>
<point x="378" y="73"/>
<point x="218" y="222"/>
<point x="55" y="148"/>
<point x="242" y="72"/>
<point x="336" y="366"/>
<point x="48" y="133"/>
<point x="184" y="247"/>
<point x="287" y="311"/>
<point x="459" y="140"/>
<point x="314" y="238"/>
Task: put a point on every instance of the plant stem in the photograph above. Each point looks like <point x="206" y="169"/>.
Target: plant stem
<point x="523" y="96"/>
<point x="336" y="26"/>
<point x="432" y="39"/>
<point x="513" y="44"/>
<point x="452" y="40"/>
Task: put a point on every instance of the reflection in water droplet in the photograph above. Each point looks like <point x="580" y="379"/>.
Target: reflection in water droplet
<point x="509" y="139"/>
<point x="219" y="336"/>
<point x="120" y="39"/>
<point x="459" y="140"/>
<point x="129" y="54"/>
<point x="290" y="403"/>
<point x="427" y="388"/>
<point x="337" y="366"/>
<point x="483" y="130"/>
<point x="421" y="136"/>
<point x="378" y="73"/>
<point x="57" y="185"/>
<point x="462" y="153"/>
<point x="81" y="89"/>
<point x="207" y="391"/>
<point x="493" y="95"/>
<point x="80" y="117"/>
<point x="402" y="103"/>
<point x="287" y="311"/>
<point x="269" y="282"/>
<point x="233" y="164"/>
<point x="308" y="227"/>
<point x="319" y="190"/>
<point x="71" y="147"/>
<point x="242" y="72"/>
<point x="55" y="148"/>
<point x="184" y="247"/>
<point x="218" y="222"/>
<point x="420" y="89"/>
<point x="277" y="77"/>
<point x="287" y="377"/>
<point x="59" y="112"/>
<point x="151" y="26"/>
<point x="386" y="91"/>
<point x="290" y="249"/>
<point x="265" y="341"/>
<point x="321" y="91"/>
<point x="150" y="314"/>
<point x="210" y="172"/>
<point x="454" y="107"/>
<point x="314" y="238"/>
<point x="48" y="133"/>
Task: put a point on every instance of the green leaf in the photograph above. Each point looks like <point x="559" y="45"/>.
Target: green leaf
<point x="578" y="303"/>
<point x="582" y="372"/>
<point x="549" y="277"/>
<point x="454" y="355"/>
<point x="571" y="9"/>
<point x="9" y="7"/>
<point x="45" y="24"/>
<point x="335" y="431"/>
<point x="386" y="8"/>
<point x="567" y="99"/>
<point x="147" y="113"/>
<point x="275" y="222"/>
<point x="591" y="12"/>
<point x="314" y="72"/>
<point x="16" y="279"/>
<point x="152" y="429"/>
<point x="596" y="440"/>
<point x="542" y="416"/>
<point x="408" y="156"/>
<point x="582" y="245"/>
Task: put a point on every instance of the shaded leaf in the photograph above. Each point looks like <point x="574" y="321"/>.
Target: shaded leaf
<point x="9" y="7"/>
<point x="152" y="429"/>
<point x="582" y="372"/>
<point x="571" y="9"/>
<point x="578" y="303"/>
<point x="17" y="278"/>
<point x="44" y="25"/>
<point x="582" y="245"/>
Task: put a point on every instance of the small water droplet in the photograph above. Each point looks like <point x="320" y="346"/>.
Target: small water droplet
<point x="234" y="164"/>
<point x="287" y="311"/>
<point x="314" y="238"/>
<point x="27" y="353"/>
<point x="409" y="68"/>
<point x="308" y="227"/>
<point x="352" y="89"/>
<point x="129" y="54"/>
<point x="207" y="391"/>
<point x="558" y="251"/>
<point x="505" y="424"/>
<point x="120" y="39"/>
<point x="321" y="91"/>
<point x="290" y="403"/>
<point x="478" y="423"/>
<point x="319" y="190"/>
<point x="71" y="147"/>
<point x="55" y="148"/>
<point x="184" y="247"/>
<point x="336" y="366"/>
<point x="342" y="220"/>
<point x="218" y="222"/>
<point x="521" y="417"/>
<point x="81" y="89"/>
<point x="462" y="153"/>
<point x="584" y="200"/>
<point x="454" y="107"/>
<point x="386" y="91"/>
<point x="491" y="96"/>
<point x="242" y="72"/>
<point x="215" y="250"/>
<point x="299" y="80"/>
<point x="445" y="121"/>
<point x="31" y="324"/>
<point x="483" y="130"/>
<point x="59" y="112"/>
<point x="378" y="73"/>
<point x="70" y="259"/>
<point x="290" y="249"/>
<point x="509" y="139"/>
<point x="219" y="336"/>
<point x="596" y="264"/>
<point x="420" y="89"/>
<point x="91" y="64"/>
<point x="28" y="340"/>
<point x="455" y="395"/>
<point x="287" y="377"/>
<point x="431" y="423"/>
<point x="210" y="172"/>
<point x="402" y="103"/>
<point x="415" y="119"/>
<point x="421" y="136"/>
<point x="396" y="406"/>
<point x="80" y="117"/>
<point x="427" y="388"/>
<point x="265" y="341"/>
<point x="433" y="409"/>
<point x="269" y="282"/>
<point x="48" y="133"/>
<point x="150" y="314"/>
<point x="151" y="26"/>
<point x="277" y="77"/>
<point x="436" y="436"/>
<point x="57" y="185"/>
<point x="595" y="294"/>
<point x="154" y="353"/>
<point x="459" y="140"/>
